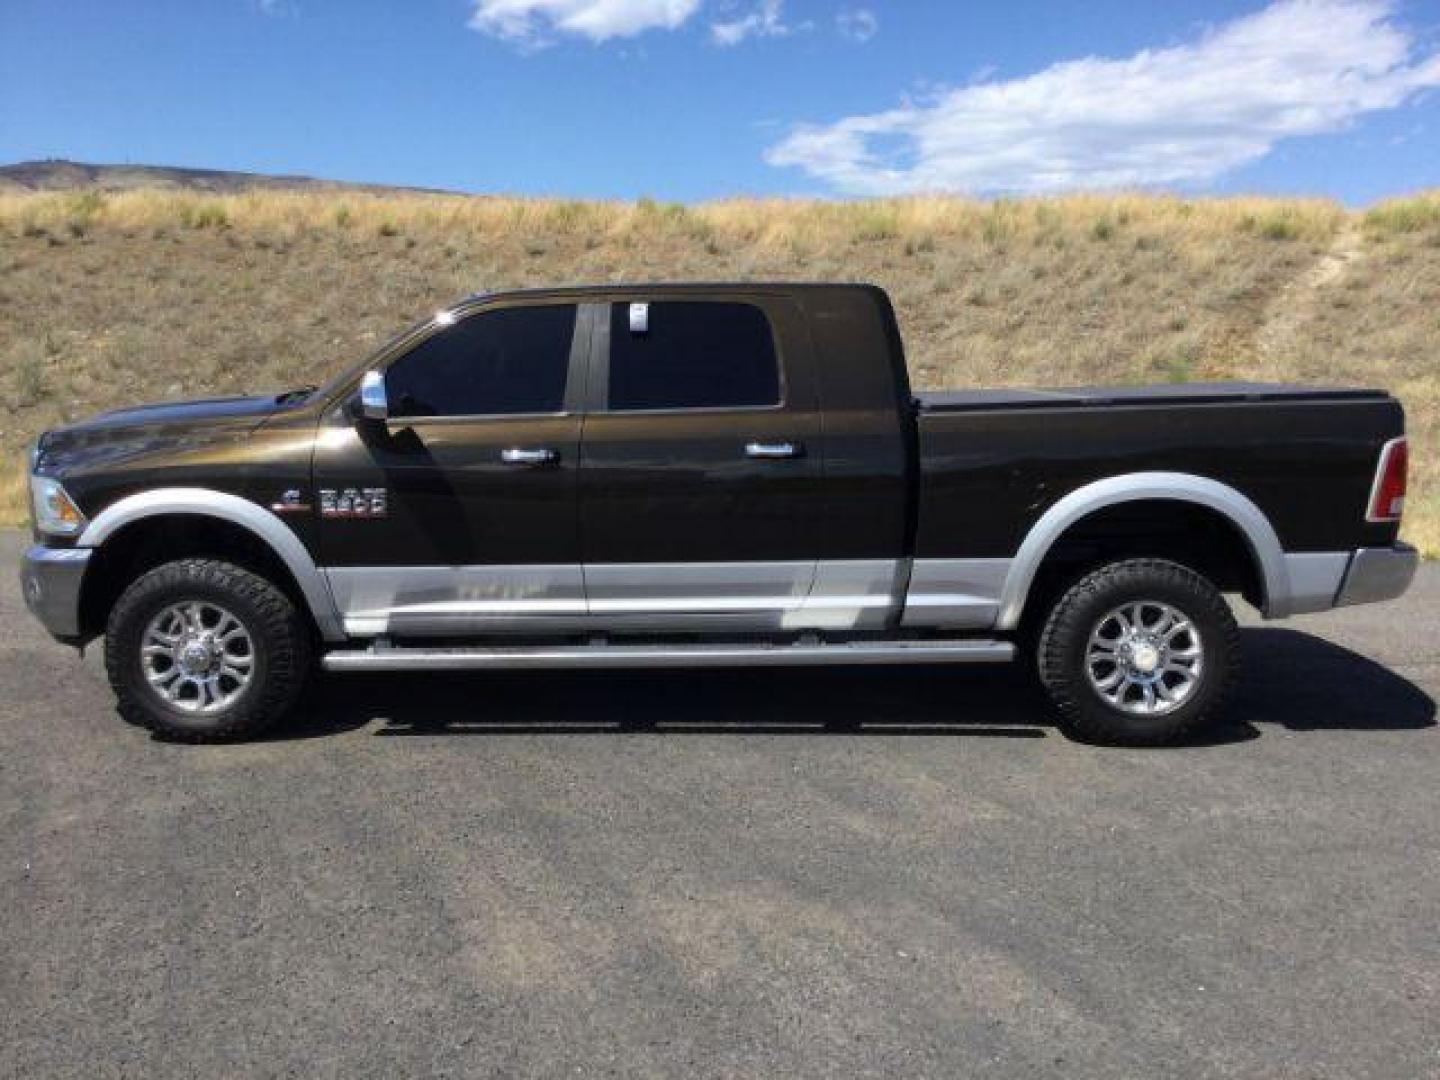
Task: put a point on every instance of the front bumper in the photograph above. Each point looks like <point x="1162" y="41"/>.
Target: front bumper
<point x="50" y="579"/>
<point x="1377" y="574"/>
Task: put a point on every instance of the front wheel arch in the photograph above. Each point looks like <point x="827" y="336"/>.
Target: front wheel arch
<point x="145" y="543"/>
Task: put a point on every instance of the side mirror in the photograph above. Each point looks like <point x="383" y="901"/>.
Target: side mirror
<point x="373" y="403"/>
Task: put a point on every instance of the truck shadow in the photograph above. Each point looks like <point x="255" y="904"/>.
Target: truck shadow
<point x="1293" y="680"/>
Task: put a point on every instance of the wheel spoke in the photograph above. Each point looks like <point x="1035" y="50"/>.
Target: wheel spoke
<point x="1109" y="682"/>
<point x="1177" y="626"/>
<point x="1137" y="616"/>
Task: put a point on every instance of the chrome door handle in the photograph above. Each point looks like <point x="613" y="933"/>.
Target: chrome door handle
<point x="517" y="455"/>
<point x="774" y="450"/>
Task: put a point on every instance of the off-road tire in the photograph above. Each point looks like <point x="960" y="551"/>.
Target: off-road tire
<point x="1064" y="640"/>
<point x="279" y="634"/>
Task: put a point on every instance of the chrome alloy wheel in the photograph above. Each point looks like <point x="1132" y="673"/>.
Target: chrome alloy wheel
<point x="197" y="657"/>
<point x="1145" y="657"/>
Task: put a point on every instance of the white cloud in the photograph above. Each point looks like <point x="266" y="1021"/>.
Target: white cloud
<point x="767" y="20"/>
<point x="535" y="23"/>
<point x="1177" y="115"/>
<point x="859" y="24"/>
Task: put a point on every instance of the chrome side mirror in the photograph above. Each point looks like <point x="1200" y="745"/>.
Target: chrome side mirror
<point x="373" y="403"/>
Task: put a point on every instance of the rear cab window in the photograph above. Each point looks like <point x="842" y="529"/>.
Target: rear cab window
<point x="692" y="355"/>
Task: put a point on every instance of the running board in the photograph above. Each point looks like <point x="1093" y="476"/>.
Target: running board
<point x="391" y="658"/>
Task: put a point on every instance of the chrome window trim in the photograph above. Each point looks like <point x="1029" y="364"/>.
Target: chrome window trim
<point x="471" y="418"/>
<point x="712" y="409"/>
<point x="205" y="502"/>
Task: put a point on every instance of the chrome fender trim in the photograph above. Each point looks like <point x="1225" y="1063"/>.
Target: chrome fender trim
<point x="204" y="502"/>
<point x="1131" y="487"/>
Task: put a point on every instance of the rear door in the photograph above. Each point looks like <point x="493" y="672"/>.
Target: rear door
<point x="701" y="463"/>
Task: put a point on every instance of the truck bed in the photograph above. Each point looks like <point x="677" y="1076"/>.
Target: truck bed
<point x="992" y="462"/>
<point x="1178" y="394"/>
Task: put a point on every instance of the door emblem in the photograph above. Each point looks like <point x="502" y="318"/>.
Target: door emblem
<point x="291" y="501"/>
<point x="352" y="502"/>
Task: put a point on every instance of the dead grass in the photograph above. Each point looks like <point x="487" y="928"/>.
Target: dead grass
<point x="106" y="299"/>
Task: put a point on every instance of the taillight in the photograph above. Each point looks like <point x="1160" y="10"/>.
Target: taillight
<point x="1387" y="495"/>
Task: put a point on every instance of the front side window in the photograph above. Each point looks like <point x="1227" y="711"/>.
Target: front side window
<point x="514" y="360"/>
<point x="692" y="355"/>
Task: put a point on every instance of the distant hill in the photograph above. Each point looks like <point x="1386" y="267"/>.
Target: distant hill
<point x="57" y="174"/>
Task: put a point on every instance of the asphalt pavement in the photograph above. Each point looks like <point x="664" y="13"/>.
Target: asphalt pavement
<point x="887" y="873"/>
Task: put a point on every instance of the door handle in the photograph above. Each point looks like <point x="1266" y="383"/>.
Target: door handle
<point x="518" y="455"/>
<point x="774" y="450"/>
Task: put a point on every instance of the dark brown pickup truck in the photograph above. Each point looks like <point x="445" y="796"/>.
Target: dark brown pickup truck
<point x="698" y="476"/>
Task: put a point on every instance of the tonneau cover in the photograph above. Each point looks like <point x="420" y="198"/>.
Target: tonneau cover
<point x="1168" y="394"/>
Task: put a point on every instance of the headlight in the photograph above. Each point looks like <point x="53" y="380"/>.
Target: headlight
<point x="55" y="512"/>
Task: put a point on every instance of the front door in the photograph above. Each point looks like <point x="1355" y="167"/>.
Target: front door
<point x="458" y="514"/>
<point x="701" y="465"/>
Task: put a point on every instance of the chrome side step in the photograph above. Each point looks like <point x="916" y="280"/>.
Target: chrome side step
<point x="391" y="658"/>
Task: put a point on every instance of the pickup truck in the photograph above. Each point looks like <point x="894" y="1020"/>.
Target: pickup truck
<point x="692" y="476"/>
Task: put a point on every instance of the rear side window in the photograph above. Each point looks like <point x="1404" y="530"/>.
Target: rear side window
<point x="692" y="356"/>
<point x="514" y="360"/>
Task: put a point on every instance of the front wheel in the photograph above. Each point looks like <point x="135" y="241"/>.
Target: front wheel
<point x="205" y="651"/>
<point x="1139" y="653"/>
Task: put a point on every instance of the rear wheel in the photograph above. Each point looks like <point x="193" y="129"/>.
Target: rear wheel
<point x="1140" y="652"/>
<point x="205" y="651"/>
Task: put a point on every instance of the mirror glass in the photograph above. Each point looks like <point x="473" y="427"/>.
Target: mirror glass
<point x="373" y="403"/>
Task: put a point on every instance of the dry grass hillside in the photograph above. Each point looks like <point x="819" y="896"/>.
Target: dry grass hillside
<point x="113" y="298"/>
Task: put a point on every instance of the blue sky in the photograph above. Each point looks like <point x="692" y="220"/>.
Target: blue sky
<point x="694" y="99"/>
